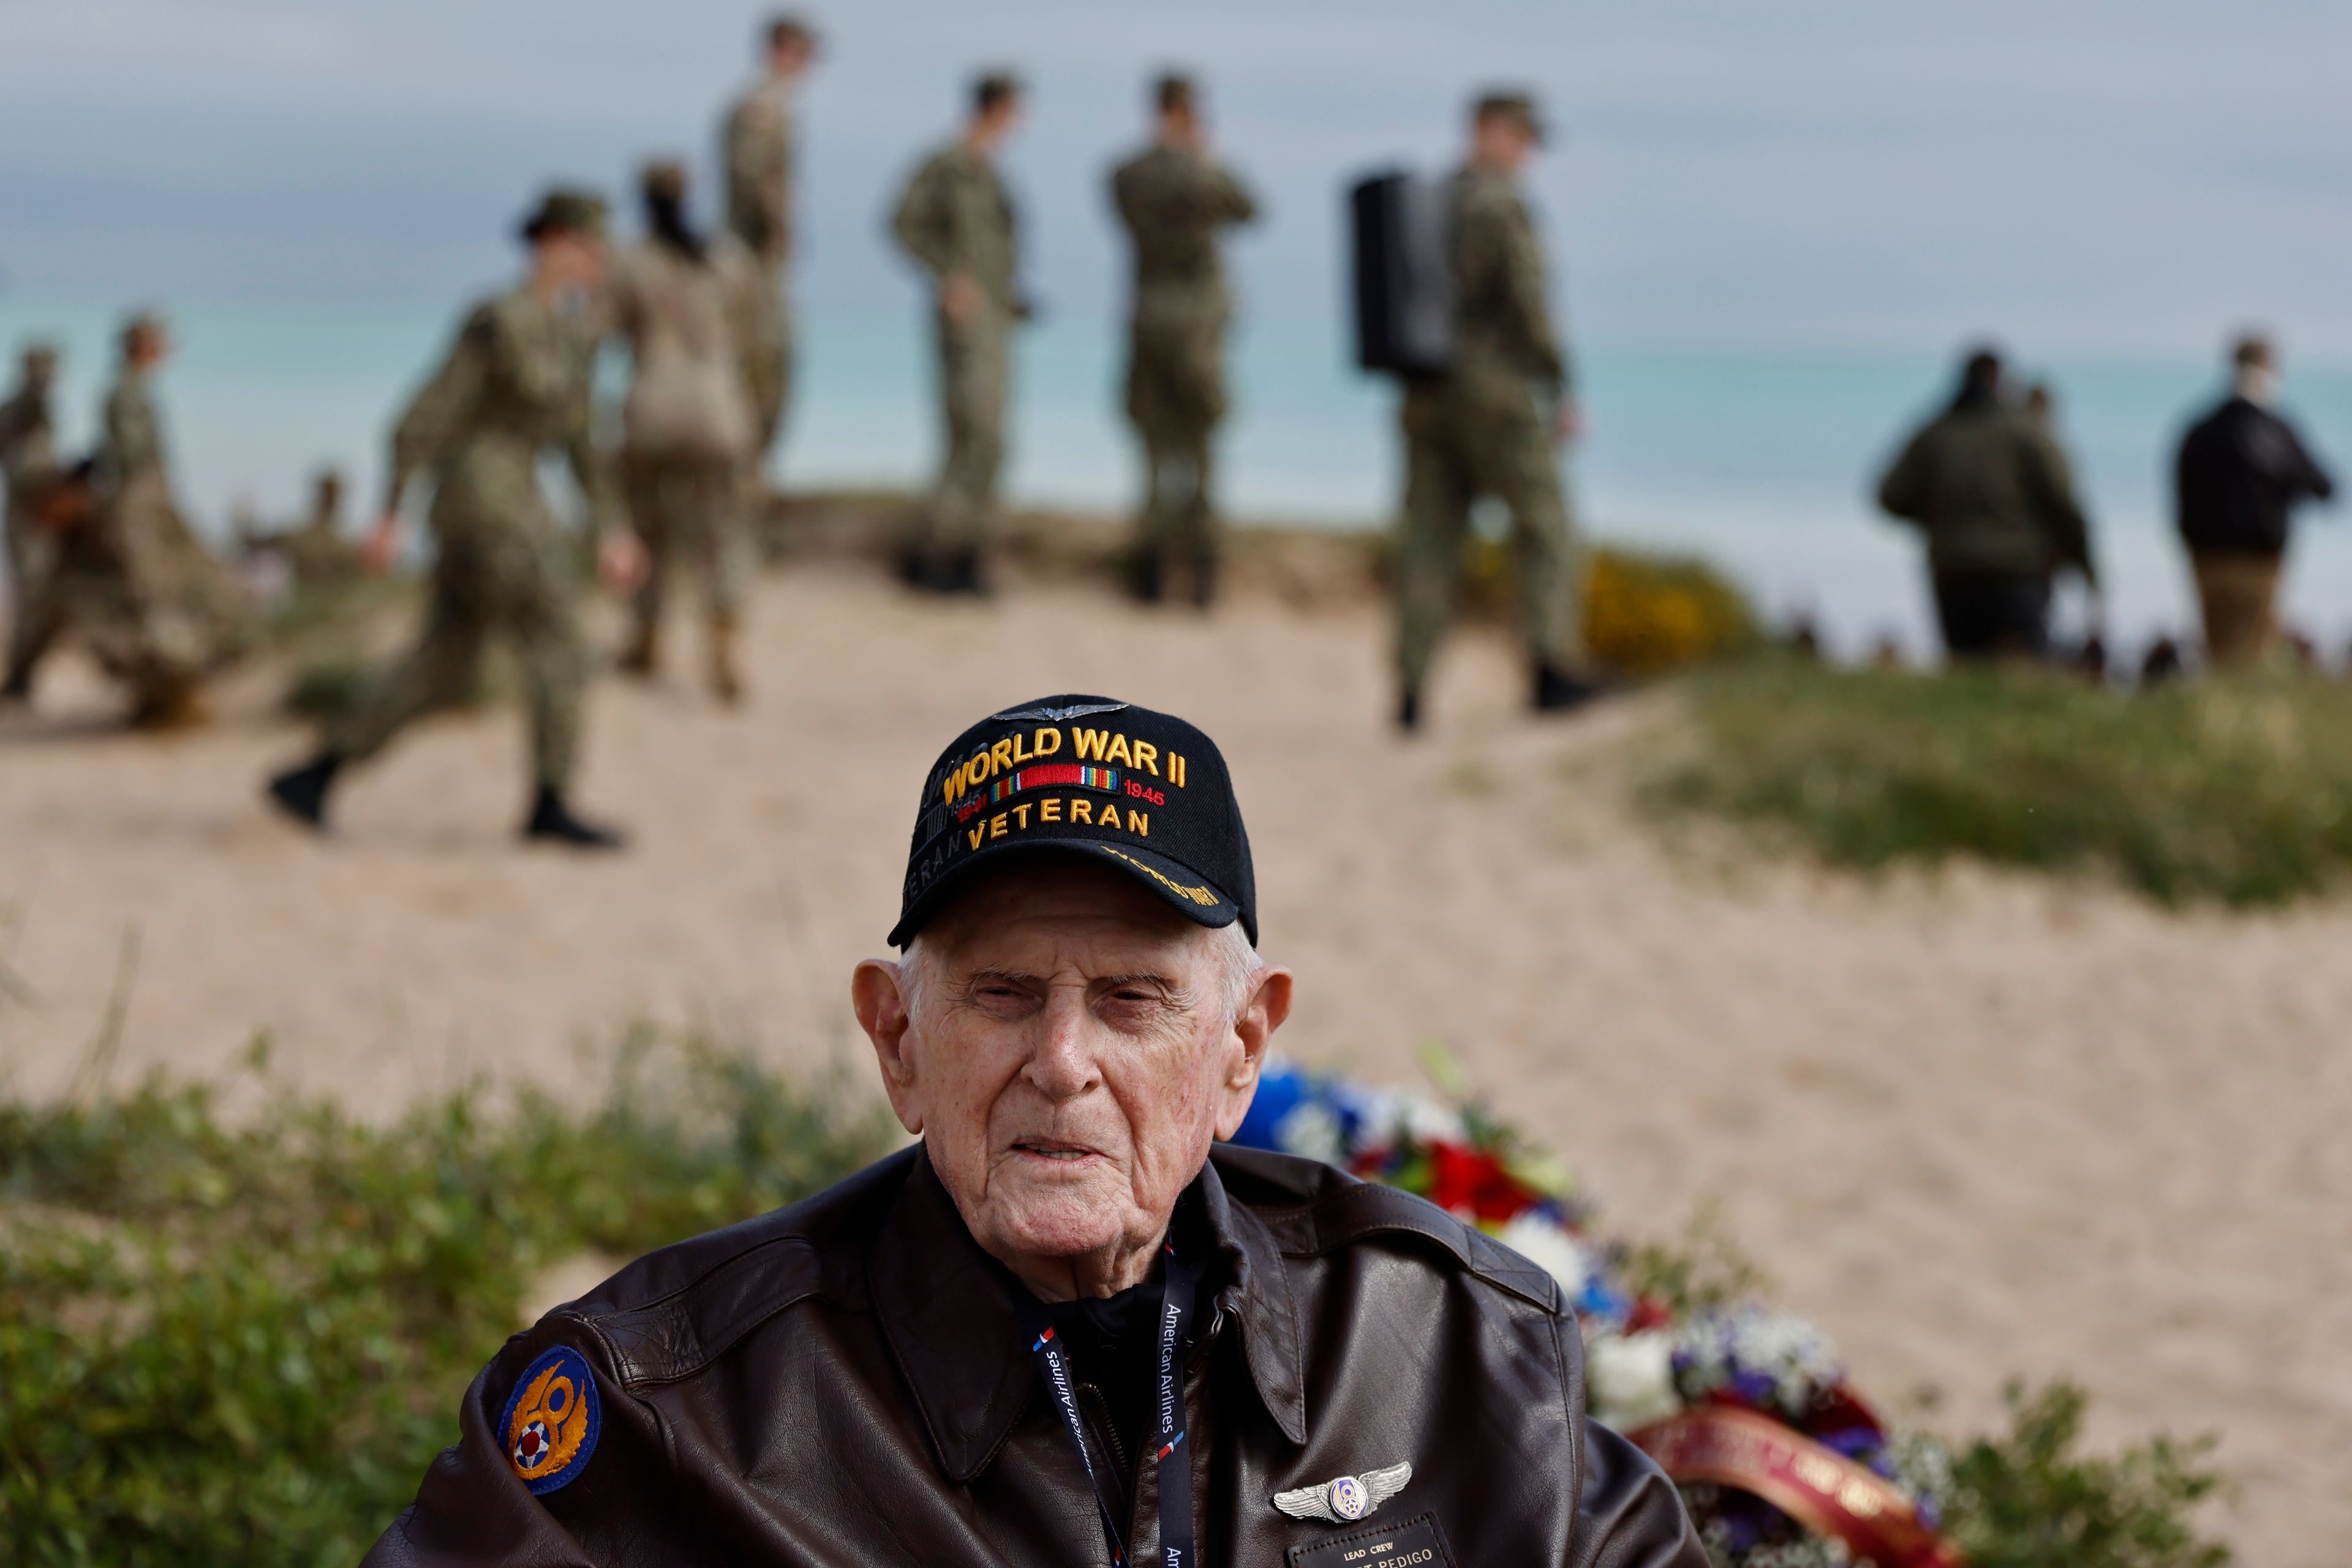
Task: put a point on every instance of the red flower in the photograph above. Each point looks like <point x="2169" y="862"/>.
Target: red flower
<point x="1649" y="1312"/>
<point x="1474" y="1181"/>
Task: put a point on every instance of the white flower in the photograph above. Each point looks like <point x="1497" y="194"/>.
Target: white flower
<point x="1793" y="1355"/>
<point x="1427" y="1122"/>
<point x="1629" y="1379"/>
<point x="1550" y="1248"/>
<point x="1312" y="1131"/>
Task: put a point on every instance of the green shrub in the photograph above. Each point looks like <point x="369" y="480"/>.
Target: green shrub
<point x="324" y="688"/>
<point x="242" y="1344"/>
<point x="2234" y="791"/>
<point x="2029" y="1500"/>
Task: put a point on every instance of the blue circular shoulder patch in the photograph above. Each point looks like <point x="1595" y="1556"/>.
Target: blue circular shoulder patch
<point x="551" y="1421"/>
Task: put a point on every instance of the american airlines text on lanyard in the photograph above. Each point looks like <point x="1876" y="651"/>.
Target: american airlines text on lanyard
<point x="1175" y="1466"/>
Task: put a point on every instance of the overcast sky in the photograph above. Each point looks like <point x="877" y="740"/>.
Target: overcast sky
<point x="2128" y="177"/>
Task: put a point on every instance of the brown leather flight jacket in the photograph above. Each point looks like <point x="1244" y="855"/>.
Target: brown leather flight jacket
<point x="845" y="1381"/>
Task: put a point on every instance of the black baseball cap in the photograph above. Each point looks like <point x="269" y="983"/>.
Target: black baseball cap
<point x="1141" y="792"/>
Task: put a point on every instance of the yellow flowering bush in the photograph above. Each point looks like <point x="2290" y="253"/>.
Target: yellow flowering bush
<point x="1645" y="614"/>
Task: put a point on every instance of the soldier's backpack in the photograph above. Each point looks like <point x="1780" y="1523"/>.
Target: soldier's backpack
<point x="1404" y="289"/>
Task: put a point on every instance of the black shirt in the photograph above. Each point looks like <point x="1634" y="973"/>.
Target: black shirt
<point x="1111" y="1346"/>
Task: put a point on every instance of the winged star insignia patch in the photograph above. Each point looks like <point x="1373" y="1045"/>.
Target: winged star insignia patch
<point x="1056" y="715"/>
<point x="551" y="1421"/>
<point x="1346" y="1499"/>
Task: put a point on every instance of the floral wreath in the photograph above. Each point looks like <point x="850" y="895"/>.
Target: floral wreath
<point x="1747" y="1408"/>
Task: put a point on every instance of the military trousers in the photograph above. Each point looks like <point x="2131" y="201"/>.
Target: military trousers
<point x="35" y="611"/>
<point x="689" y="509"/>
<point x="975" y="388"/>
<point x="147" y="601"/>
<point x="767" y="370"/>
<point x="1175" y="397"/>
<point x="1455" y="453"/>
<point x="513" y="582"/>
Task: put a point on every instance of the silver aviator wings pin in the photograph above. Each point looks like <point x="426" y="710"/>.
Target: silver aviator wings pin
<point x="1347" y="1500"/>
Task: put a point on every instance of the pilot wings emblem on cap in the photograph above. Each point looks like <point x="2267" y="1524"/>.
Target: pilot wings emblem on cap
<point x="1056" y="715"/>
<point x="1347" y="1500"/>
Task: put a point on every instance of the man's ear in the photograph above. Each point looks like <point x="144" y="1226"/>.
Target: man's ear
<point x="878" y="994"/>
<point x="1261" y="1015"/>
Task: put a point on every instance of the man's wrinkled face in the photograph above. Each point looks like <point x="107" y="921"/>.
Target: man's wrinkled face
<point x="1068" y="1059"/>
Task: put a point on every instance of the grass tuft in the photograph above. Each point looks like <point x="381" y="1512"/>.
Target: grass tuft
<point x="2235" y="792"/>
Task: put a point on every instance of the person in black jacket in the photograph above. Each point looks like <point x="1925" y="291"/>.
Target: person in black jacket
<point x="1065" y="1328"/>
<point x="2241" y="469"/>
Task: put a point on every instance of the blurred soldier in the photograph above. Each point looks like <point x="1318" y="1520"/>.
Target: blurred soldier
<point x="316" y="551"/>
<point x="1492" y="425"/>
<point x="758" y="162"/>
<point x="28" y="465"/>
<point x="516" y="384"/>
<point x="2242" y="471"/>
<point x="956" y="220"/>
<point x="1174" y="202"/>
<point x="136" y="588"/>
<point x="693" y="311"/>
<point x="1988" y="488"/>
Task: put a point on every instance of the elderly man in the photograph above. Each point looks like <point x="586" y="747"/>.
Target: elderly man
<point x="1063" y="1328"/>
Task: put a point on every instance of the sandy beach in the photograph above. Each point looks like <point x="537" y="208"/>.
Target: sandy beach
<point x="1977" y="1126"/>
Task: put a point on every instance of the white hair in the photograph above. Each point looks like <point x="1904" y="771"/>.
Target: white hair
<point x="1237" y="964"/>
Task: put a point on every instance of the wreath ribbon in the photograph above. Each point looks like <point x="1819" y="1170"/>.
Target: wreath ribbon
<point x="1818" y="1486"/>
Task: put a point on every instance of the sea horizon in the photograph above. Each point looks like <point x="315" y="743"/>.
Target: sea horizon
<point x="1760" y="458"/>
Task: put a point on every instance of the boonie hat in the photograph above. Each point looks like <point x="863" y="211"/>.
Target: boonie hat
<point x="1141" y="792"/>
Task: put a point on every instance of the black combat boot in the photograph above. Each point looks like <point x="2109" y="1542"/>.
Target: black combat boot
<point x="1147" y="579"/>
<point x="960" y="574"/>
<point x="1204" y="583"/>
<point x="642" y="657"/>
<point x="302" y="792"/>
<point x="552" y="820"/>
<point x="1557" y="692"/>
<point x="1408" y="709"/>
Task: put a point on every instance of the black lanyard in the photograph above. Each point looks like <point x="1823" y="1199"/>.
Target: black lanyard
<point x="1175" y="1466"/>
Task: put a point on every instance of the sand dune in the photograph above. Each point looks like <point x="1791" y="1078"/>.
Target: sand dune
<point x="1975" y="1125"/>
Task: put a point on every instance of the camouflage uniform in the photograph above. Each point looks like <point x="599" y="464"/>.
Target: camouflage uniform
<point x="957" y="219"/>
<point x="140" y="593"/>
<point x="29" y="466"/>
<point x="317" y="551"/>
<point x="1991" y="491"/>
<point x="1489" y="427"/>
<point x="1173" y="203"/>
<point x="515" y="384"/>
<point x="758" y="162"/>
<point x="687" y="425"/>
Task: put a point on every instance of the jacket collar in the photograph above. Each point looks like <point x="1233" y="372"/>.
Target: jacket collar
<point x="946" y="1312"/>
